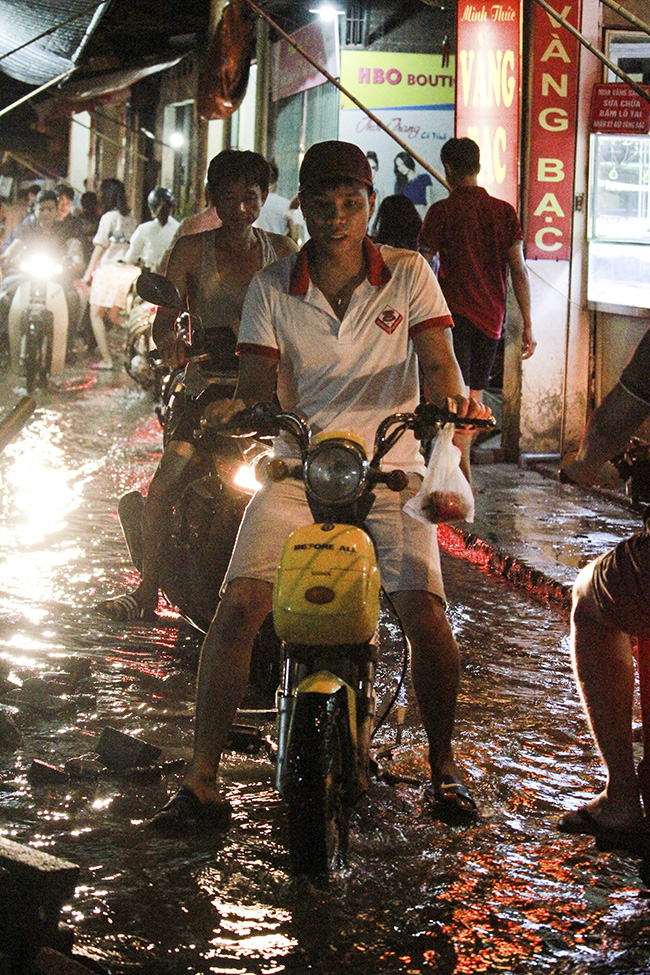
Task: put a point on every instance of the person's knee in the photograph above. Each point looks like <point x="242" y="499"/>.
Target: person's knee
<point x="583" y="602"/>
<point x="593" y="632"/>
<point x="424" y="619"/>
<point x="169" y="473"/>
<point x="244" y="605"/>
<point x="159" y="493"/>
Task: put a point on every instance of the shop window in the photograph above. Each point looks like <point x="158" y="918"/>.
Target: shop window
<point x="178" y="135"/>
<point x="242" y="135"/>
<point x="619" y="200"/>
<point x="356" y="21"/>
<point x="301" y="120"/>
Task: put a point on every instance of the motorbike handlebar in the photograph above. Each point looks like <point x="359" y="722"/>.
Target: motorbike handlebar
<point x="263" y="420"/>
<point x="633" y="467"/>
<point x="428" y="418"/>
<point x="259" y="420"/>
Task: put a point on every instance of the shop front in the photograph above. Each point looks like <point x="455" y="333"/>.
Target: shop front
<point x="618" y="273"/>
<point x="583" y="193"/>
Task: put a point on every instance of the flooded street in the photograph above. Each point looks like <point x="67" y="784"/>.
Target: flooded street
<point x="509" y="895"/>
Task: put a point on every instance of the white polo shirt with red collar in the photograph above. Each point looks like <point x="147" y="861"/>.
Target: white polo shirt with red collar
<point x="346" y="375"/>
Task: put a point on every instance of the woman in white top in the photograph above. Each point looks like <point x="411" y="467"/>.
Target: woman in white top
<point x="110" y="280"/>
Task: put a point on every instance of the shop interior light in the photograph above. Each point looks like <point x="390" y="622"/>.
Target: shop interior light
<point x="326" y="11"/>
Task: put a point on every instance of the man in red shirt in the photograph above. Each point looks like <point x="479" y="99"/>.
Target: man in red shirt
<point x="477" y="238"/>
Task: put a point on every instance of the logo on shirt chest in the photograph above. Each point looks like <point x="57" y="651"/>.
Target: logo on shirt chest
<point x="389" y="320"/>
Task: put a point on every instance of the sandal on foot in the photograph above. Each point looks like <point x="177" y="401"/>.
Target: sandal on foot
<point x="453" y="799"/>
<point x="186" y="811"/>
<point x="633" y="839"/>
<point x="565" y="478"/>
<point x="126" y="609"/>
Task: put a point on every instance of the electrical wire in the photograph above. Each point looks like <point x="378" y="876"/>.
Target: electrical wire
<point x="51" y="30"/>
<point x="405" y="663"/>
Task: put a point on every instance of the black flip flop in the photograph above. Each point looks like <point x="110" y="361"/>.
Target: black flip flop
<point x="453" y="799"/>
<point x="126" y="609"/>
<point x="185" y="811"/>
<point x="580" y="822"/>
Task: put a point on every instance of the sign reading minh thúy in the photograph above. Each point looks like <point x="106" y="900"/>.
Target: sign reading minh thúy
<point x="617" y="110"/>
<point x="487" y="79"/>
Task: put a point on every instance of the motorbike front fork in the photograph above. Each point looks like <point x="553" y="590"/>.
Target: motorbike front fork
<point x="294" y="671"/>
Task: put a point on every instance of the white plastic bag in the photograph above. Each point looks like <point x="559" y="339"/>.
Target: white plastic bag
<point x="445" y="494"/>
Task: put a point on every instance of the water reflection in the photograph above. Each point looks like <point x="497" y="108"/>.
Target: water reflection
<point x="510" y="895"/>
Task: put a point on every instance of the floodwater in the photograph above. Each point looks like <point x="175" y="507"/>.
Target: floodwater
<point x="509" y="895"/>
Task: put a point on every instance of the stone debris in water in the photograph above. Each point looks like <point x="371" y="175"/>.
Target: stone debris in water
<point x="43" y="773"/>
<point x="10" y="736"/>
<point x="34" y="887"/>
<point x="119" y="750"/>
<point x="84" y="767"/>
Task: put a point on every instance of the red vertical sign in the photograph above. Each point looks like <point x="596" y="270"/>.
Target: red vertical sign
<point x="553" y="117"/>
<point x="487" y="89"/>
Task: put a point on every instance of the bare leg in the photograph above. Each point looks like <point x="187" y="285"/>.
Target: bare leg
<point x="435" y="668"/>
<point x="156" y="518"/>
<point x="115" y="315"/>
<point x="99" y="331"/>
<point x="464" y="441"/>
<point x="607" y="433"/>
<point x="223" y="673"/>
<point x="604" y="668"/>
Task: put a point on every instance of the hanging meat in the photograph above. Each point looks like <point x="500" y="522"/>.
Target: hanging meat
<point x="222" y="84"/>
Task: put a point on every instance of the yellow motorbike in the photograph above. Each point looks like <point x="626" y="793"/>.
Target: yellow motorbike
<point x="326" y="605"/>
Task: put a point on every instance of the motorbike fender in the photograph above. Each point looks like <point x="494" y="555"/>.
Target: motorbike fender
<point x="327" y="684"/>
<point x="57" y="305"/>
<point x="317" y="696"/>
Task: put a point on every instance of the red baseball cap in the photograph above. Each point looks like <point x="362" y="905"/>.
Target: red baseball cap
<point x="326" y="162"/>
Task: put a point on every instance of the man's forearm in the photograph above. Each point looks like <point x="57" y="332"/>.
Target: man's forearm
<point x="610" y="427"/>
<point x="521" y="288"/>
<point x="443" y="381"/>
<point x="256" y="379"/>
<point x="442" y="375"/>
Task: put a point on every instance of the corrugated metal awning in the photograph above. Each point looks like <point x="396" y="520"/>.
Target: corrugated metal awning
<point x="103" y="84"/>
<point x="67" y="28"/>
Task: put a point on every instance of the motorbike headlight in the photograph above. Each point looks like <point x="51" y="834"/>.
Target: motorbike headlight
<point x="41" y="266"/>
<point x="245" y="479"/>
<point x="336" y="471"/>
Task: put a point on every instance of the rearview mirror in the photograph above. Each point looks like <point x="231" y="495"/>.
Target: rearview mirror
<point x="159" y="290"/>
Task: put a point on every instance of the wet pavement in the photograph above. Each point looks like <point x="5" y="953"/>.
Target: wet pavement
<point x="510" y="895"/>
<point x="537" y="532"/>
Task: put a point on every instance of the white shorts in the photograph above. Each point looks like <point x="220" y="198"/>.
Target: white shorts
<point x="407" y="549"/>
<point x="110" y="284"/>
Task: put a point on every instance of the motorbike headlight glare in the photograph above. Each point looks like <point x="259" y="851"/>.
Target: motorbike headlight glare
<point x="41" y="266"/>
<point x="336" y="471"/>
<point x="245" y="479"/>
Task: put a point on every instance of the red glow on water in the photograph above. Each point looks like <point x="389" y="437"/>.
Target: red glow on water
<point x="453" y="541"/>
<point x="74" y="385"/>
<point x="465" y="545"/>
<point x="149" y="432"/>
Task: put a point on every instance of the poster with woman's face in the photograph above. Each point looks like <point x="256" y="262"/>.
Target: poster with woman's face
<point x="413" y="96"/>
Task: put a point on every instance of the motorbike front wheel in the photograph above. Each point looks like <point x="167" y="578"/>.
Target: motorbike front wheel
<point x="32" y="360"/>
<point x="45" y="359"/>
<point x="319" y="783"/>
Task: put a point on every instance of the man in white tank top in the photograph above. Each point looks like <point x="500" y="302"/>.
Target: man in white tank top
<point x="212" y="271"/>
